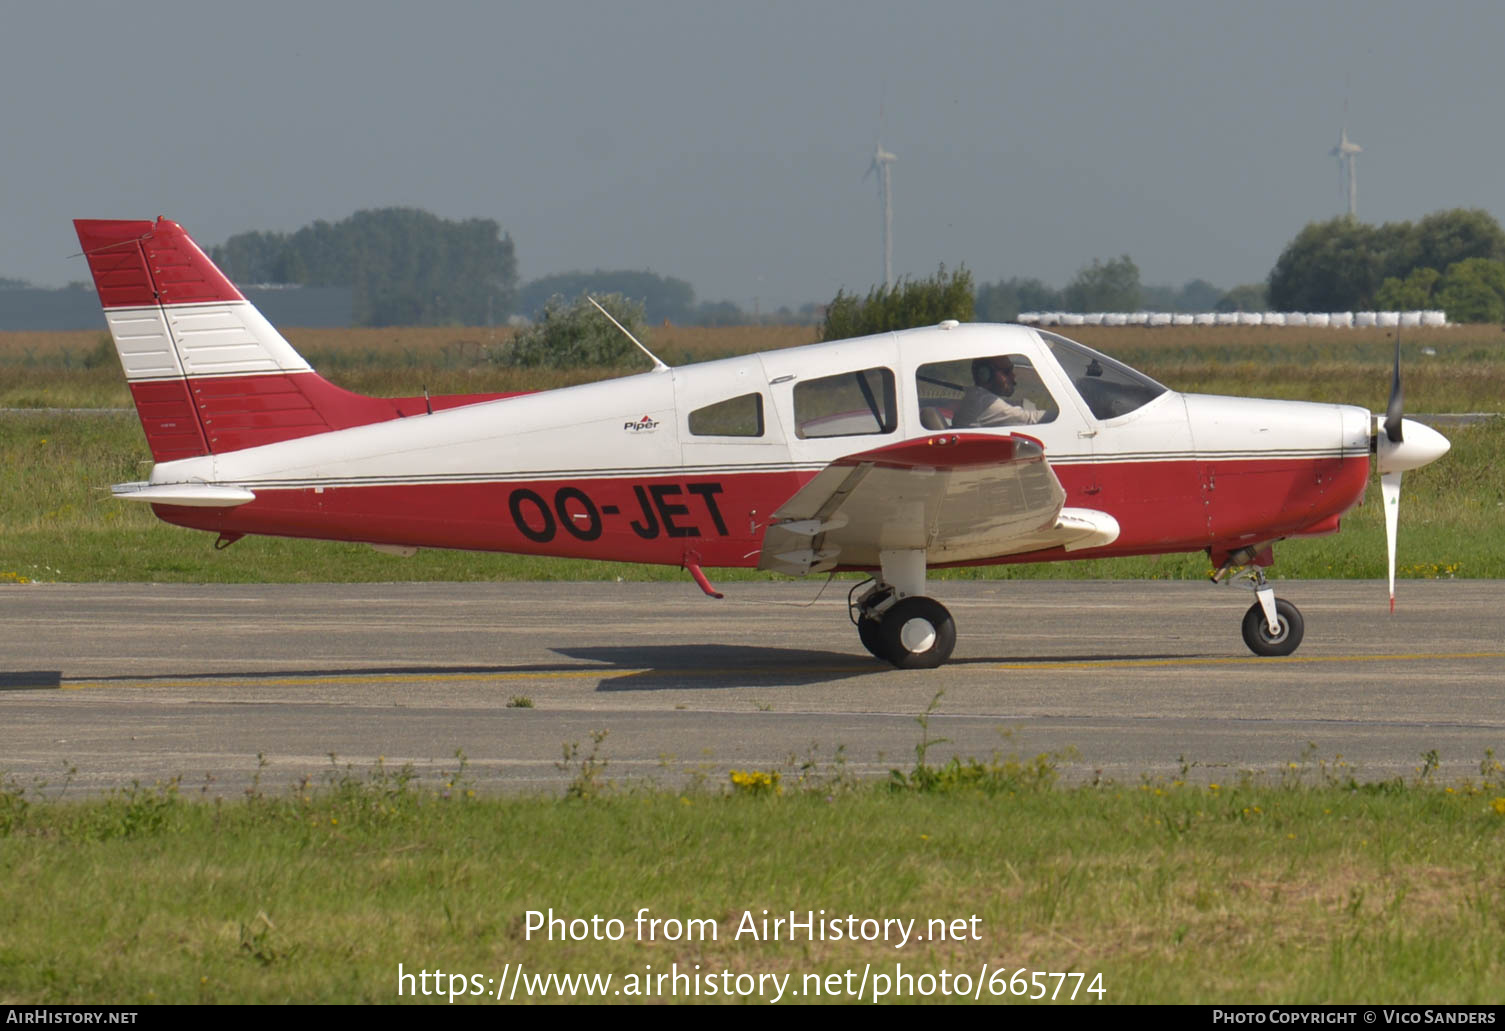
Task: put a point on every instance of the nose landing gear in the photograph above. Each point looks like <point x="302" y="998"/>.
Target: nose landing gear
<point x="1272" y="626"/>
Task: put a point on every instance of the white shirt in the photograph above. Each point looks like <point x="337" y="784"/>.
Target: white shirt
<point x="981" y="407"/>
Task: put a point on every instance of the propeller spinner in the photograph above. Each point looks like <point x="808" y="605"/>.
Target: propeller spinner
<point x="1405" y="444"/>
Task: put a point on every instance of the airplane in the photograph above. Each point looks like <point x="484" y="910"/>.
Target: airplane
<point x="848" y="455"/>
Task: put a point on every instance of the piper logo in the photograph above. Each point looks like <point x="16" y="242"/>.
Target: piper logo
<point x="643" y="425"/>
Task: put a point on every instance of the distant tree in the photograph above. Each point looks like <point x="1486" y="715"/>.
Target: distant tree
<point x="1473" y="291"/>
<point x="1444" y="238"/>
<point x="1105" y="286"/>
<point x="908" y="303"/>
<point x="1004" y="300"/>
<point x="1413" y="292"/>
<point x="569" y="335"/>
<point x="1330" y="266"/>
<point x="1342" y="264"/>
<point x="664" y="298"/>
<point x="1249" y="297"/>
<point x="405" y="266"/>
<point x="1199" y="295"/>
<point x="1158" y="298"/>
<point x="256" y="258"/>
<point x="14" y="284"/>
<point x="718" y="313"/>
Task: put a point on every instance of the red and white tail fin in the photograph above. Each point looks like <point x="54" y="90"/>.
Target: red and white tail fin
<point x="208" y="373"/>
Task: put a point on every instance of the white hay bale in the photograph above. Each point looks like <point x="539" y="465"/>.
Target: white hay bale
<point x="1410" y="318"/>
<point x="1092" y="318"/>
<point x="1434" y="318"/>
<point x="1272" y="318"/>
<point x="1318" y="318"/>
<point x="1250" y="318"/>
<point x="1387" y="319"/>
<point x="1296" y="318"/>
<point x="1226" y="318"/>
<point x="1183" y="318"/>
<point x="1341" y="319"/>
<point x="1364" y="319"/>
<point x="1071" y="318"/>
<point x="1028" y="318"/>
<point x="1204" y="318"/>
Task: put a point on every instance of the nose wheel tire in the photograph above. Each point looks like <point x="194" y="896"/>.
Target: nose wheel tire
<point x="1257" y="629"/>
<point x="917" y="633"/>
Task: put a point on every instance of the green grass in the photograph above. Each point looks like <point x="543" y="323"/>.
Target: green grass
<point x="1316" y="889"/>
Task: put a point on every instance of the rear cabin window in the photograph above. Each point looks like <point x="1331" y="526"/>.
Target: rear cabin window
<point x="849" y="404"/>
<point x="734" y="417"/>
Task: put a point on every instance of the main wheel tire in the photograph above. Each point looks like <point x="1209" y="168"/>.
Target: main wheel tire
<point x="918" y="633"/>
<point x="1257" y="629"/>
<point x="871" y="632"/>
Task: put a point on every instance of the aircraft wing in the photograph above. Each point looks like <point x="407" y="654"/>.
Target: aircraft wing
<point x="958" y="497"/>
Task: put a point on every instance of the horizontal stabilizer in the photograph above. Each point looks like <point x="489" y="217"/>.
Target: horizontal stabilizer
<point x="191" y="495"/>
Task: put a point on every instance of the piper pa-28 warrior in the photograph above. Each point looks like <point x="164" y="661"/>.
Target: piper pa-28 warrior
<point x="949" y="445"/>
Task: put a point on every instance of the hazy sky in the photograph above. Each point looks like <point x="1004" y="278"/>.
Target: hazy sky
<point x="725" y="143"/>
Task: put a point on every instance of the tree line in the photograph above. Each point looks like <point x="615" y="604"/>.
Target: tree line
<point x="409" y="267"/>
<point x="1453" y="260"/>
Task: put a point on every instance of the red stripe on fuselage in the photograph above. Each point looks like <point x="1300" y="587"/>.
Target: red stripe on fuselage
<point x="1161" y="507"/>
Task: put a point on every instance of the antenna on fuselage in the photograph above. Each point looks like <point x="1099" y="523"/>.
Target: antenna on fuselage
<point x="658" y="366"/>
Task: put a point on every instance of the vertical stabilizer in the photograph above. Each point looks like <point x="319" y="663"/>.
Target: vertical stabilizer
<point x="208" y="373"/>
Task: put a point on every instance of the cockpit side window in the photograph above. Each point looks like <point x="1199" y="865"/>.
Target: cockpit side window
<point x="990" y="390"/>
<point x="1109" y="388"/>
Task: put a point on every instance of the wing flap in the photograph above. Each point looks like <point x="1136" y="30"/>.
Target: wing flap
<point x="957" y="497"/>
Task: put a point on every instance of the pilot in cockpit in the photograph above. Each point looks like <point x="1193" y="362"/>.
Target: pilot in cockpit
<point x="983" y="403"/>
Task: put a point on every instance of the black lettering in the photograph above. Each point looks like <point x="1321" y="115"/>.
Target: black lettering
<point x="708" y="492"/>
<point x="668" y="511"/>
<point x="515" y="503"/>
<point x="648" y="529"/>
<point x="592" y="529"/>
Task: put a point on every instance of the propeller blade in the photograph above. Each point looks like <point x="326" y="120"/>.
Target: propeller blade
<point x="1395" y="410"/>
<point x="1390" y="491"/>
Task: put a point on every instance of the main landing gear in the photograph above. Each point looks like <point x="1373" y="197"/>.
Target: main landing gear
<point x="1272" y="626"/>
<point x="894" y="618"/>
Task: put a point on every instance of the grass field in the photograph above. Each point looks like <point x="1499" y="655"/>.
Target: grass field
<point x="1316" y="889"/>
<point x="1466" y="372"/>
<point x="59" y="523"/>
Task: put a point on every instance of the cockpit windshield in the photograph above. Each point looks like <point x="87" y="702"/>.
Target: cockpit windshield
<point x="1109" y="388"/>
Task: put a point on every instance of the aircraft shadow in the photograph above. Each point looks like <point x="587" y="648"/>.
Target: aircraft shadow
<point x="652" y="667"/>
<point x="31" y="680"/>
<point x="670" y="666"/>
<point x="621" y="667"/>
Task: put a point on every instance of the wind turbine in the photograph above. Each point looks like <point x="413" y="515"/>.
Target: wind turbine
<point x="881" y="160"/>
<point x="1345" y="152"/>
